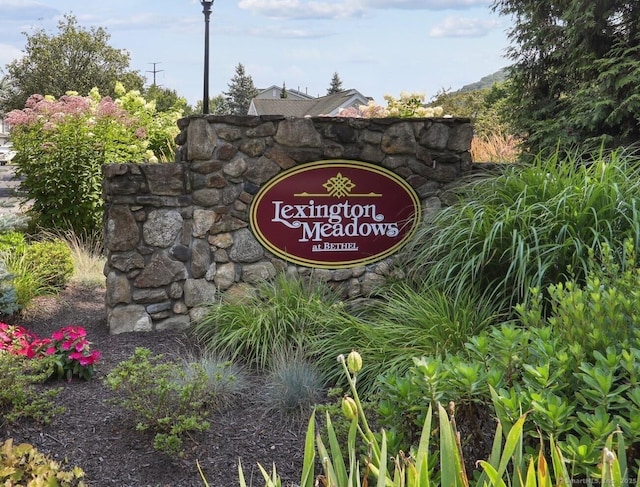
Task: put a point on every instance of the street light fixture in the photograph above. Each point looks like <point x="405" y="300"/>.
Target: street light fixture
<point x="206" y="10"/>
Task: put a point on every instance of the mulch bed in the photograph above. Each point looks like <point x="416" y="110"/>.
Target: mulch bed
<point x="101" y="439"/>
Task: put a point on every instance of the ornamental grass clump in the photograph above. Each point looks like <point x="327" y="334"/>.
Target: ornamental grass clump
<point x="294" y="385"/>
<point x="529" y="225"/>
<point x="279" y="315"/>
<point x="405" y="322"/>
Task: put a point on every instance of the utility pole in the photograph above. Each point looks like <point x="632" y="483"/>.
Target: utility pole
<point x="154" y="71"/>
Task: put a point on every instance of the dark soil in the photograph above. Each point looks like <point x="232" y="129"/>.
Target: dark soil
<point x="101" y="439"/>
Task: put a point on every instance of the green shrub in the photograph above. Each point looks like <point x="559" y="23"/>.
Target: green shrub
<point x="19" y="398"/>
<point x="599" y="313"/>
<point x="506" y="464"/>
<point x="11" y="240"/>
<point x="62" y="144"/>
<point x="526" y="225"/>
<point x="39" y="268"/>
<point x="25" y="465"/>
<point x="166" y="398"/>
<point x="573" y="396"/>
<point x="51" y="262"/>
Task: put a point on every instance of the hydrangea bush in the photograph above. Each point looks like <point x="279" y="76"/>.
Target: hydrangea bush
<point x="407" y="106"/>
<point x="61" y="145"/>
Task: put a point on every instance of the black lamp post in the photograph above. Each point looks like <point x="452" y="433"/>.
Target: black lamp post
<point x="206" y="10"/>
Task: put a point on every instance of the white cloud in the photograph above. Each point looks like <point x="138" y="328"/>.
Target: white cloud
<point x="281" y="32"/>
<point x="426" y="4"/>
<point x="302" y="9"/>
<point x="463" y="27"/>
<point x="342" y="9"/>
<point x="25" y="10"/>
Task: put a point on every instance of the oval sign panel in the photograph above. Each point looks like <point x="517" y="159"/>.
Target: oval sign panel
<point x="335" y="214"/>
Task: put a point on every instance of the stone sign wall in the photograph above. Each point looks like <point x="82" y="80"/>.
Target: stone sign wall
<point x="177" y="235"/>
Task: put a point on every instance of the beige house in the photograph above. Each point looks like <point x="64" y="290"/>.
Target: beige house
<point x="298" y="104"/>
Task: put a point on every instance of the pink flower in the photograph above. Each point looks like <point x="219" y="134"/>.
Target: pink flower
<point x="90" y="359"/>
<point x="141" y="133"/>
<point x="76" y="356"/>
<point x="33" y="100"/>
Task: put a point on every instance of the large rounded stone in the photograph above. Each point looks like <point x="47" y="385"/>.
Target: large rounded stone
<point x="162" y="228"/>
<point x="122" y="229"/>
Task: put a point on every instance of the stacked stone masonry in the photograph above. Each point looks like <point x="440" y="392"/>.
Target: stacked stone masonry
<point x="177" y="235"/>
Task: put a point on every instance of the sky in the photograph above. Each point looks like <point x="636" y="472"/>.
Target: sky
<point x="378" y="47"/>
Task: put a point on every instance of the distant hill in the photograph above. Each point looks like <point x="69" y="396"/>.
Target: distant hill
<point x="486" y="81"/>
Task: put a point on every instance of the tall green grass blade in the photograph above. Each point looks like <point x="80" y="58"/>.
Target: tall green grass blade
<point x="308" y="464"/>
<point x="383" y="479"/>
<point x="450" y="461"/>
<point x="495" y="479"/>
<point x="422" y="456"/>
<point x="559" y="467"/>
<point x="337" y="459"/>
<point x="327" y="464"/>
<point x="530" y="480"/>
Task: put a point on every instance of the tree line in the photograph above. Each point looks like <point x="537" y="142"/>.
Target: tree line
<point x="78" y="59"/>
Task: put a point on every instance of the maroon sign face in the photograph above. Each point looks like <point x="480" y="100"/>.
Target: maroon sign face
<point x="335" y="214"/>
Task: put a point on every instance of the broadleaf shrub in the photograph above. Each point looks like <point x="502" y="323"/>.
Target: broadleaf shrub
<point x="62" y="144"/>
<point x="19" y="396"/>
<point x="165" y="397"/>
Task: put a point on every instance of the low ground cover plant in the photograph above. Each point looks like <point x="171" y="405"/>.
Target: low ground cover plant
<point x="24" y="465"/>
<point x="20" y="398"/>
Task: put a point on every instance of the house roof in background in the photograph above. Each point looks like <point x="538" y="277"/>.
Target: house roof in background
<point x="328" y="105"/>
<point x="273" y="92"/>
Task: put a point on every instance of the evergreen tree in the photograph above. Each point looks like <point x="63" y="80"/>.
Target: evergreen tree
<point x="283" y="93"/>
<point x="74" y="59"/>
<point x="336" y="85"/>
<point x="576" y="71"/>
<point x="241" y="92"/>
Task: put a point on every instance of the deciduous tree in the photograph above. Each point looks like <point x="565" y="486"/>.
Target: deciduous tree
<point x="74" y="59"/>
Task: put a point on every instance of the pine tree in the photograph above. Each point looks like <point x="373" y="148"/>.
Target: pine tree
<point x="575" y="74"/>
<point x="241" y="92"/>
<point x="283" y="93"/>
<point x="336" y="84"/>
